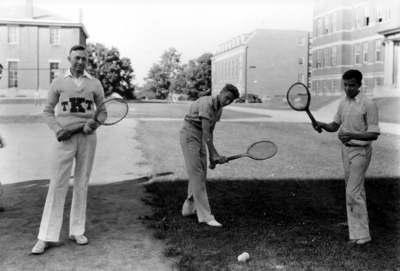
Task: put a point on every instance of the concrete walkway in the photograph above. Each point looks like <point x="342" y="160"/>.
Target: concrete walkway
<point x="325" y="114"/>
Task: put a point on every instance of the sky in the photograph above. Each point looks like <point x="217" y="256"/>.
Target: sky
<point x="143" y="29"/>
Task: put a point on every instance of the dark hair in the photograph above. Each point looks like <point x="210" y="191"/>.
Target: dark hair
<point x="77" y="48"/>
<point x="350" y="74"/>
<point x="1" y="66"/>
<point x="232" y="89"/>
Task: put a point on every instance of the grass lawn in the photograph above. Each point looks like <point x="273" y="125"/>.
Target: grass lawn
<point x="282" y="211"/>
<point x="389" y="109"/>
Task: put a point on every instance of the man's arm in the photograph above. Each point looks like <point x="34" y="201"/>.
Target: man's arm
<point x="329" y="127"/>
<point x="208" y="135"/>
<point x="49" y="115"/>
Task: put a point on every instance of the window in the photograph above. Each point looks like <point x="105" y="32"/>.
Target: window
<point x="333" y="86"/>
<point x="334" y="22"/>
<point x="358" y="18"/>
<point x="319" y="29"/>
<point x="300" y="78"/>
<point x="365" y="86"/>
<point x="377" y="81"/>
<point x="366" y="15"/>
<point x="301" y="41"/>
<point x="379" y="12"/>
<point x="301" y="61"/>
<point x="319" y="60"/>
<point x="365" y="52"/>
<point x="319" y="87"/>
<point x="53" y="71"/>
<point x="378" y="50"/>
<point x="13" y="34"/>
<point x="12" y="74"/>
<point x="326" y="57"/>
<point x="326" y="25"/>
<point x="55" y="36"/>
<point x="333" y="57"/>
<point x="326" y="89"/>
<point x="357" y="53"/>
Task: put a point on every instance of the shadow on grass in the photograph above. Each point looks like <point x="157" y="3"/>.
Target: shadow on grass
<point x="286" y="224"/>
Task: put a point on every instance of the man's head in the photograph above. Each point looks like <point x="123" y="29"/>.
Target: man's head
<point x="1" y="70"/>
<point x="78" y="57"/>
<point x="228" y="94"/>
<point x="352" y="82"/>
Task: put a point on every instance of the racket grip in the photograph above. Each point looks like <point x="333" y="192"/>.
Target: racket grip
<point x="75" y="131"/>
<point x="314" y="122"/>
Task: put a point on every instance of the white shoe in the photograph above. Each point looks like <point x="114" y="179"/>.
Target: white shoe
<point x="80" y="239"/>
<point x="214" y="223"/>
<point x="40" y="247"/>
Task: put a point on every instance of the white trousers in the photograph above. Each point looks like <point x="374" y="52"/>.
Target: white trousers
<point x="356" y="162"/>
<point x="80" y="147"/>
<point x="195" y="154"/>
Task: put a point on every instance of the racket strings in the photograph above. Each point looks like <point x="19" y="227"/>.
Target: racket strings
<point x="115" y="109"/>
<point x="262" y="150"/>
<point x="298" y="97"/>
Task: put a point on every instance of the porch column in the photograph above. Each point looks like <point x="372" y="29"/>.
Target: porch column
<point x="388" y="79"/>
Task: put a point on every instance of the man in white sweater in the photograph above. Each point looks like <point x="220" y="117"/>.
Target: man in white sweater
<point x="76" y="94"/>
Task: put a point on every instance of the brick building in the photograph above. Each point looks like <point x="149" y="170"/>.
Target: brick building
<point x="34" y="46"/>
<point x="356" y="34"/>
<point x="265" y="62"/>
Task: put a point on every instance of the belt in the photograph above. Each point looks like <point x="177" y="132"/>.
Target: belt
<point x="354" y="145"/>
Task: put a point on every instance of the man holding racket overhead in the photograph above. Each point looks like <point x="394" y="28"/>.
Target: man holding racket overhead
<point x="358" y="118"/>
<point x="75" y="94"/>
<point x="196" y="134"/>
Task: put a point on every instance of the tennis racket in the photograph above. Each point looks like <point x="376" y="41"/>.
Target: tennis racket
<point x="258" y="151"/>
<point x="299" y="98"/>
<point x="116" y="109"/>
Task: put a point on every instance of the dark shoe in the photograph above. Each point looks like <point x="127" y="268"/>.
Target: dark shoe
<point x="361" y="241"/>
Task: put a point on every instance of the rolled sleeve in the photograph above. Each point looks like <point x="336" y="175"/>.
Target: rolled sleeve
<point x="337" y="117"/>
<point x="372" y="118"/>
<point x="204" y="111"/>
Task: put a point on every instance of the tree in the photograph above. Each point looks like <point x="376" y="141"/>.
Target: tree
<point x="162" y="74"/>
<point x="199" y="76"/>
<point x="114" y="73"/>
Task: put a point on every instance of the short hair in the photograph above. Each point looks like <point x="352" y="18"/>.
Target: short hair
<point x="232" y="89"/>
<point x="350" y="74"/>
<point x="1" y="66"/>
<point x="77" y="48"/>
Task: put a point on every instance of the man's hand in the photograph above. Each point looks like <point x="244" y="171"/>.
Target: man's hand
<point x="344" y="135"/>
<point x="318" y="126"/>
<point x="89" y="127"/>
<point x="63" y="135"/>
<point x="218" y="159"/>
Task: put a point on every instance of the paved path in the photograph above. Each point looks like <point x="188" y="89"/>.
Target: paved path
<point x="325" y="114"/>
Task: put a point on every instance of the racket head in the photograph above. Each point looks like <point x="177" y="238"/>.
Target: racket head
<point x="298" y="97"/>
<point x="261" y="150"/>
<point x="116" y="109"/>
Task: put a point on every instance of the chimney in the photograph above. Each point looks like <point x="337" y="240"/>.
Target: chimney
<point x="29" y="9"/>
<point x="80" y="15"/>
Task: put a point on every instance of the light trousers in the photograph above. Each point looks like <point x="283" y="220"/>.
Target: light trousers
<point x="80" y="147"/>
<point x="356" y="162"/>
<point x="195" y="154"/>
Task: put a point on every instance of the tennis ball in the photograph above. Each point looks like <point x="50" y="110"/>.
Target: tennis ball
<point x="243" y="257"/>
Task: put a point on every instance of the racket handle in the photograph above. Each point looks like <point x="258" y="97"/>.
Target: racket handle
<point x="314" y="122"/>
<point x="75" y="131"/>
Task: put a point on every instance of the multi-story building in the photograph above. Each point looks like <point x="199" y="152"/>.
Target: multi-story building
<point x="264" y="62"/>
<point x="34" y="47"/>
<point x="356" y="34"/>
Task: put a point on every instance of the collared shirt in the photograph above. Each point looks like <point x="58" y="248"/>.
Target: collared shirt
<point x="358" y="115"/>
<point x="204" y="108"/>
<point x="78" y="81"/>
